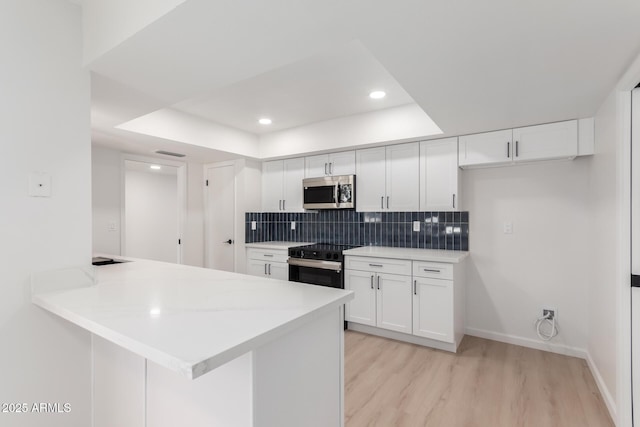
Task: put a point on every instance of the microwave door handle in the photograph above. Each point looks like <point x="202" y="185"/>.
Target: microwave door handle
<point x="336" y="195"/>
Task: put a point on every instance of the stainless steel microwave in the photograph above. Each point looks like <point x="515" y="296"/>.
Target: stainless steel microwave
<point x="329" y="192"/>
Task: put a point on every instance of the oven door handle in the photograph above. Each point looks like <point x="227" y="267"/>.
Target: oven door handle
<point x="312" y="263"/>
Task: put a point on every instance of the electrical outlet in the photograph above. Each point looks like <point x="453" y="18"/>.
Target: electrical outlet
<point x="416" y="225"/>
<point x="293" y="225"/>
<point x="254" y="225"/>
<point x="507" y="228"/>
<point x="552" y="311"/>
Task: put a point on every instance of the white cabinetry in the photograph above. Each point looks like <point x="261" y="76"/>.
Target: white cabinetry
<point x="388" y="178"/>
<point x="282" y="185"/>
<point x="271" y="263"/>
<point x="420" y="301"/>
<point x="439" y="172"/>
<point x="526" y="144"/>
<point x="382" y="299"/>
<point x="343" y="163"/>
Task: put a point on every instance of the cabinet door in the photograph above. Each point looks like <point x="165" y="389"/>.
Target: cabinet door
<point x="342" y="163"/>
<point x="278" y="270"/>
<point x="256" y="268"/>
<point x="550" y="141"/>
<point x="362" y="309"/>
<point x="403" y="177"/>
<point x="491" y="148"/>
<point x="370" y="179"/>
<point x="439" y="175"/>
<point x="433" y="309"/>
<point x="315" y="166"/>
<point x="293" y="176"/>
<point x="272" y="186"/>
<point x="394" y="302"/>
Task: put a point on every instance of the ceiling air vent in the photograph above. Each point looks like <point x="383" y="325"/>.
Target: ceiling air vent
<point x="169" y="153"/>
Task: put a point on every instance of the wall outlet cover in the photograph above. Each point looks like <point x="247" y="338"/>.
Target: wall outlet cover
<point x="416" y="225"/>
<point x="254" y="225"/>
<point x="293" y="225"/>
<point x="508" y="227"/>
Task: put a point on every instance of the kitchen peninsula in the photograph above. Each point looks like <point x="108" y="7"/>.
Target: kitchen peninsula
<point x="178" y="345"/>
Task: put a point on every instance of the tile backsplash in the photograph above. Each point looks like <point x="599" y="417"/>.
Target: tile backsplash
<point x="438" y="230"/>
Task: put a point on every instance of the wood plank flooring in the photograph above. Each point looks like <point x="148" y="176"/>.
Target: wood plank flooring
<point x="487" y="383"/>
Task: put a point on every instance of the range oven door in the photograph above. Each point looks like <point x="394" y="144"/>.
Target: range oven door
<point x="316" y="272"/>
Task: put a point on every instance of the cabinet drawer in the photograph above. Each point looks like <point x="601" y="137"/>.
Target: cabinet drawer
<point x="434" y="270"/>
<point x="267" y="255"/>
<point x="378" y="265"/>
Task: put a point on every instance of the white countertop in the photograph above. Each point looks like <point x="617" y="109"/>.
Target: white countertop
<point x="409" y="254"/>
<point x="189" y="319"/>
<point x="276" y="245"/>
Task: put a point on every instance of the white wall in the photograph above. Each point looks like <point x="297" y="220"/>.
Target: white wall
<point x="407" y="122"/>
<point x="106" y="164"/>
<point x="544" y="262"/>
<point x="105" y="195"/>
<point x="45" y="127"/>
<point x="248" y="199"/>
<point x="151" y="215"/>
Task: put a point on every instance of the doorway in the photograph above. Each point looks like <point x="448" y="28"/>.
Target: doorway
<point x="220" y="196"/>
<point x="152" y="209"/>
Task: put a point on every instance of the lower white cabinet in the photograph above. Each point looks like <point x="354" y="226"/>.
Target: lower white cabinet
<point x="425" y="304"/>
<point x="269" y="263"/>
<point x="433" y="309"/>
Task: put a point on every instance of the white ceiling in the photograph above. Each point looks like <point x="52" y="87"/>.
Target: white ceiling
<point x="471" y="66"/>
<point x="325" y="86"/>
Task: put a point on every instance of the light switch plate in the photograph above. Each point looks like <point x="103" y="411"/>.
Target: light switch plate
<point x="416" y="225"/>
<point x="508" y="228"/>
<point x="112" y="226"/>
<point x="39" y="184"/>
<point x="254" y="225"/>
<point x="293" y="225"/>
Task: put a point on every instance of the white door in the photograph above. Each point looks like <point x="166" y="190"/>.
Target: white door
<point x="394" y="302"/>
<point x="403" y="177"/>
<point x="343" y="163"/>
<point x="635" y="250"/>
<point x="439" y="175"/>
<point x="315" y="166"/>
<point x="151" y="211"/>
<point x="362" y="309"/>
<point x="272" y="186"/>
<point x="433" y="309"/>
<point x="256" y="268"/>
<point x="490" y="148"/>
<point x="293" y="172"/>
<point x="550" y="141"/>
<point x="221" y="200"/>
<point x="278" y="270"/>
<point x="370" y="179"/>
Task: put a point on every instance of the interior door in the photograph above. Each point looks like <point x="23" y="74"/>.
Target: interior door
<point x="635" y="252"/>
<point x="221" y="199"/>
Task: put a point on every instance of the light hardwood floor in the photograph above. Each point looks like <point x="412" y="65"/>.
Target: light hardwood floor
<point x="487" y="383"/>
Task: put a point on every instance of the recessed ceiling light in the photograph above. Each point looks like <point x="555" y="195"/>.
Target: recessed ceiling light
<point x="264" y="121"/>
<point x="377" y="94"/>
<point x="155" y="167"/>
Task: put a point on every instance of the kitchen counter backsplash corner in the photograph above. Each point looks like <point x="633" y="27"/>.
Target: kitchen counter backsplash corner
<point x="438" y="230"/>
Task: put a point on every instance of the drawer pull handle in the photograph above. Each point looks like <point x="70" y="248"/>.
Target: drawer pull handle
<point x="428" y="270"/>
<point x="268" y="255"/>
<point x="376" y="265"/>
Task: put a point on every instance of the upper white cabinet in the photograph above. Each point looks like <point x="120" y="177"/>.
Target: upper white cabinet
<point x="550" y="141"/>
<point x="343" y="163"/>
<point x="282" y="185"/>
<point x="490" y="148"/>
<point x="541" y="142"/>
<point x="388" y="178"/>
<point x="439" y="190"/>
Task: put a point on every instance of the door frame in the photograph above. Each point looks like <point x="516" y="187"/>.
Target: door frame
<point x="182" y="197"/>
<point x="207" y="226"/>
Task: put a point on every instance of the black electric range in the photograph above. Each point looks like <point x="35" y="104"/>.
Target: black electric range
<point x="319" y="264"/>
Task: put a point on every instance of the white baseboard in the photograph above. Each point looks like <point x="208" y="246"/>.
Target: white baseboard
<point x="528" y="342"/>
<point x="554" y="348"/>
<point x="604" y="391"/>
